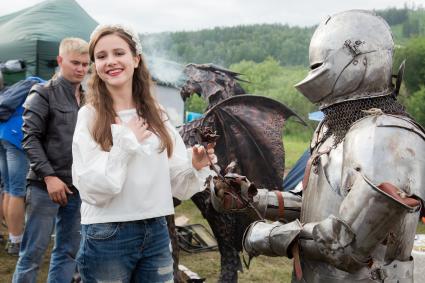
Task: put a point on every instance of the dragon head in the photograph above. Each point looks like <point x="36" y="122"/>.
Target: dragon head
<point x="211" y="82"/>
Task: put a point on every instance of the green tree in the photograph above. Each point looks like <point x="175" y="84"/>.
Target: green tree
<point x="271" y="79"/>
<point x="287" y="44"/>
<point x="413" y="94"/>
<point x="416" y="105"/>
<point x="411" y="27"/>
<point x="195" y="104"/>
<point x="394" y="16"/>
<point x="226" y="46"/>
<point x="414" y="53"/>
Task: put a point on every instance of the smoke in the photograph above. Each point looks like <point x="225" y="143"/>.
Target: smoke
<point x="165" y="71"/>
<point x="164" y="66"/>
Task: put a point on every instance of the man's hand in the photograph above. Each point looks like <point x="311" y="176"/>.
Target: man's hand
<point x="57" y="190"/>
<point x="200" y="158"/>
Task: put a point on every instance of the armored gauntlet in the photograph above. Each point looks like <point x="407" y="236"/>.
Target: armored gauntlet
<point x="235" y="193"/>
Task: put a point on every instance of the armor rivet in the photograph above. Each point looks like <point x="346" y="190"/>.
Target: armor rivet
<point x="355" y="62"/>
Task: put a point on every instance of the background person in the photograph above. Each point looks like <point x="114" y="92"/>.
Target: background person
<point x="1" y="183"/>
<point x="49" y="122"/>
<point x="13" y="160"/>
<point x="14" y="168"/>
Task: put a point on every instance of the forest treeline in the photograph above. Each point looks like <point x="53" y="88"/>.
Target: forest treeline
<point x="229" y="45"/>
<point x="287" y="44"/>
<point x="274" y="57"/>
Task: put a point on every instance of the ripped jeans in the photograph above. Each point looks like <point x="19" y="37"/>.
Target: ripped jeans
<point x="134" y="251"/>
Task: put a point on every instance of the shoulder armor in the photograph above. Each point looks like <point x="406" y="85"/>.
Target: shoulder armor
<point x="387" y="148"/>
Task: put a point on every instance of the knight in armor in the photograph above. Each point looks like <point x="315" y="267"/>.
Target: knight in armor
<point x="354" y="220"/>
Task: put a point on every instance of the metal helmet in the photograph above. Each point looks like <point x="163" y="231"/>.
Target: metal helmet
<point x="350" y="58"/>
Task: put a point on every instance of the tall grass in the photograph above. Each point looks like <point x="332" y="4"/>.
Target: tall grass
<point x="295" y="146"/>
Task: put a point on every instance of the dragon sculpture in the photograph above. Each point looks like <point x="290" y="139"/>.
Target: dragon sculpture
<point x="250" y="131"/>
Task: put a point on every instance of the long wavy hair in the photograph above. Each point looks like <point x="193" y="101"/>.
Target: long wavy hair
<point x="147" y="107"/>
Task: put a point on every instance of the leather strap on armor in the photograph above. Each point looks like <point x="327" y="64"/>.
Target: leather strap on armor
<point x="297" y="262"/>
<point x="281" y="205"/>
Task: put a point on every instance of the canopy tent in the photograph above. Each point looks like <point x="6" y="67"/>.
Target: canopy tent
<point x="33" y="34"/>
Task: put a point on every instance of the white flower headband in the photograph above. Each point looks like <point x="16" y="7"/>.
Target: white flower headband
<point x="134" y="36"/>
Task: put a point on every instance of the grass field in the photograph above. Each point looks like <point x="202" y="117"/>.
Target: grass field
<point x="294" y="148"/>
<point x="206" y="264"/>
<point x="7" y="265"/>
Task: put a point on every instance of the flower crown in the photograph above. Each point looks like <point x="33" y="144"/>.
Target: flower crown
<point x="134" y="36"/>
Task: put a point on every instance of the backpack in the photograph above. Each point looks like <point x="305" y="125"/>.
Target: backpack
<point x="12" y="97"/>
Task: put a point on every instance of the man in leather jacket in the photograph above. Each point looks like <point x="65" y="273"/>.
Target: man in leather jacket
<point x="49" y="121"/>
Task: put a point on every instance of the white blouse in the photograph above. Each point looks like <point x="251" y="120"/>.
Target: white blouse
<point x="134" y="180"/>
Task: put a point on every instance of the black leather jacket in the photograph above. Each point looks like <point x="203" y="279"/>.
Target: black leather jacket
<point x="49" y="118"/>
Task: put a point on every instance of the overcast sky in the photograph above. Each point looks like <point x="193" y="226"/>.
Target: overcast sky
<point x="149" y="16"/>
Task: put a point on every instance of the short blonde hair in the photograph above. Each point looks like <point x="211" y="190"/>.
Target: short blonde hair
<point x="73" y="44"/>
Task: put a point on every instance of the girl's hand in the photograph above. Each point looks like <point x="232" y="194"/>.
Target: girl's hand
<point x="138" y="126"/>
<point x="199" y="156"/>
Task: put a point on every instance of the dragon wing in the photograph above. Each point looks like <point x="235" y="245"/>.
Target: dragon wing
<point x="251" y="129"/>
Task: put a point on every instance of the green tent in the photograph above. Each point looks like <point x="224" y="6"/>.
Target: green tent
<point x="33" y="34"/>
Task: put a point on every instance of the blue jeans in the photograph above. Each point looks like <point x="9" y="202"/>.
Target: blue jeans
<point x="13" y="169"/>
<point x="135" y="251"/>
<point x="42" y="215"/>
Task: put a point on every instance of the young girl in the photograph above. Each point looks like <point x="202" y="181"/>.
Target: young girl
<point x="128" y="163"/>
